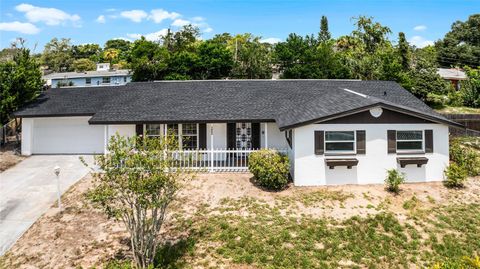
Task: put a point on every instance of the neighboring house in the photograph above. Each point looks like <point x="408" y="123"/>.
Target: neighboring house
<point x="334" y="131"/>
<point x="103" y="76"/>
<point x="454" y="75"/>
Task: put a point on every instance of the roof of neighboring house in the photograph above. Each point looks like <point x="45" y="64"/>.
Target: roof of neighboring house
<point x="290" y="103"/>
<point x="88" y="74"/>
<point x="452" y="73"/>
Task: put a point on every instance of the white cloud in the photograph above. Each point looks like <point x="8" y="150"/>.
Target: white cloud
<point x="198" y="19"/>
<point x="101" y="19"/>
<point x="155" y="36"/>
<point x="135" y="15"/>
<point x="420" y="41"/>
<point x="420" y="28"/>
<point x="20" y="27"/>
<point x="110" y="9"/>
<point x="180" y="22"/>
<point x="208" y="30"/>
<point x="159" y="15"/>
<point x="271" y="40"/>
<point x="50" y="16"/>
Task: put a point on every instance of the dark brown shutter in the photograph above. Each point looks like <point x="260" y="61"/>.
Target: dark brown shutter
<point x="392" y="141"/>
<point x="319" y="138"/>
<point x="202" y="136"/>
<point x="428" y="141"/>
<point x="139" y="129"/>
<point x="255" y="135"/>
<point x="361" y="144"/>
<point x="231" y="135"/>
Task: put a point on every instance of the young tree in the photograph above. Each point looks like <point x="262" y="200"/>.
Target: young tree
<point x="138" y="182"/>
<point x="324" y="35"/>
<point x="20" y="82"/>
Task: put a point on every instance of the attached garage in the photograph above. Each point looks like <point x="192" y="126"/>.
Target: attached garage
<point x="63" y="135"/>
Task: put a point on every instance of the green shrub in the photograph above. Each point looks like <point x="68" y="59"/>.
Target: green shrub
<point x="393" y="180"/>
<point x="466" y="157"/>
<point x="459" y="263"/>
<point x="270" y="168"/>
<point x="455" y="175"/>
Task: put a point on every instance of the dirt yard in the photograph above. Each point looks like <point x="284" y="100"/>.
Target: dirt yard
<point x="8" y="159"/>
<point x="80" y="236"/>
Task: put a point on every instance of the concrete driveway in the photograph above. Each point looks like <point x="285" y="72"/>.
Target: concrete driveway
<point x="28" y="189"/>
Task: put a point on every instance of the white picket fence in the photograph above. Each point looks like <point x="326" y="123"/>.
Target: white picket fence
<point x="214" y="160"/>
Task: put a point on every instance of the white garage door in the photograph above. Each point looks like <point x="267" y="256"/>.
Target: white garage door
<point x="66" y="135"/>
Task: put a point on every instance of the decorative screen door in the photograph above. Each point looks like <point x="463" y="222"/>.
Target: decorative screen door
<point x="243" y="135"/>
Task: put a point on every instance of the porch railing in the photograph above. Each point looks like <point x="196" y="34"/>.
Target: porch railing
<point x="214" y="160"/>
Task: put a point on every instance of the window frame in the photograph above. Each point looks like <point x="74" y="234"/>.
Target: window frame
<point x="422" y="150"/>
<point x="109" y="80"/>
<point x="88" y="81"/>
<point x="340" y="152"/>
<point x="179" y="134"/>
<point x="145" y="130"/>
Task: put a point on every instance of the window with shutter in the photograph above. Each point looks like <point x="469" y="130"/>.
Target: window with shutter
<point x="319" y="142"/>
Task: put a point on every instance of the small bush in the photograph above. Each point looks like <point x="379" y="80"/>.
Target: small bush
<point x="465" y="157"/>
<point x="270" y="168"/>
<point x="455" y="176"/>
<point x="393" y="180"/>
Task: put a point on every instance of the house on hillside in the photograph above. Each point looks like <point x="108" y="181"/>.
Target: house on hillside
<point x="454" y="75"/>
<point x="334" y="131"/>
<point x="103" y="76"/>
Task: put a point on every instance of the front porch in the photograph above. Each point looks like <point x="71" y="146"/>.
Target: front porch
<point x="218" y="147"/>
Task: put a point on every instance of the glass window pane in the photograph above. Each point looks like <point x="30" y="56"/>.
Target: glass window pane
<point x="189" y="142"/>
<point x="152" y="129"/>
<point x="409" y="135"/>
<point x="172" y="129"/>
<point x="339" y="136"/>
<point x="339" y="146"/>
<point x="409" y="145"/>
<point x="189" y="128"/>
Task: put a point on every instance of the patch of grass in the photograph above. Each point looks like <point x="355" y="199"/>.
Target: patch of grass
<point x="314" y="199"/>
<point x="458" y="110"/>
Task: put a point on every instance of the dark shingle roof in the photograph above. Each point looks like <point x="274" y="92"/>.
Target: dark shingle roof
<point x="288" y="102"/>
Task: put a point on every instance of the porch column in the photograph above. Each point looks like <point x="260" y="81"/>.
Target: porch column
<point x="266" y="134"/>
<point x="211" y="149"/>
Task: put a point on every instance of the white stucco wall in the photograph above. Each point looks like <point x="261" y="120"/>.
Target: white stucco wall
<point x="275" y="138"/>
<point x="310" y="169"/>
<point x="27" y="136"/>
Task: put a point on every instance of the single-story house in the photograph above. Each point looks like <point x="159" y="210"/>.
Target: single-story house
<point x="103" y="76"/>
<point x="334" y="131"/>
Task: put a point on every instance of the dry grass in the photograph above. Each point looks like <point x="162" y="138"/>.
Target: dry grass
<point x="223" y="220"/>
<point x="8" y="159"/>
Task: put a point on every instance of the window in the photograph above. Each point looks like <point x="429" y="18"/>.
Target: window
<point x="105" y="80"/>
<point x="124" y="79"/>
<point x="189" y="136"/>
<point x="340" y="142"/>
<point x="409" y="141"/>
<point x="88" y="81"/>
<point x="186" y="133"/>
<point x="152" y="130"/>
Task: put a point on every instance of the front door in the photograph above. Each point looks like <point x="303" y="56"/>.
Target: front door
<point x="243" y="138"/>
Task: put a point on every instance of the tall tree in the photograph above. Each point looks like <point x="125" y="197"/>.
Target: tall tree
<point x="123" y="46"/>
<point x="404" y="51"/>
<point x="461" y="46"/>
<point x="20" y="82"/>
<point x="58" y="55"/>
<point x="90" y="51"/>
<point x="372" y="34"/>
<point x="252" y="58"/>
<point x="324" y="35"/>
<point x="84" y="64"/>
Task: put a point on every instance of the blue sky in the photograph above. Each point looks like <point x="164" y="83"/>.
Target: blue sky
<point x="95" y="21"/>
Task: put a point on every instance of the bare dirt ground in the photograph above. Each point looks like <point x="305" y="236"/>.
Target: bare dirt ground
<point x="8" y="159"/>
<point x="81" y="236"/>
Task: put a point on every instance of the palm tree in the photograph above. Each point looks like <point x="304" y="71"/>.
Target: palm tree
<point x="110" y="55"/>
